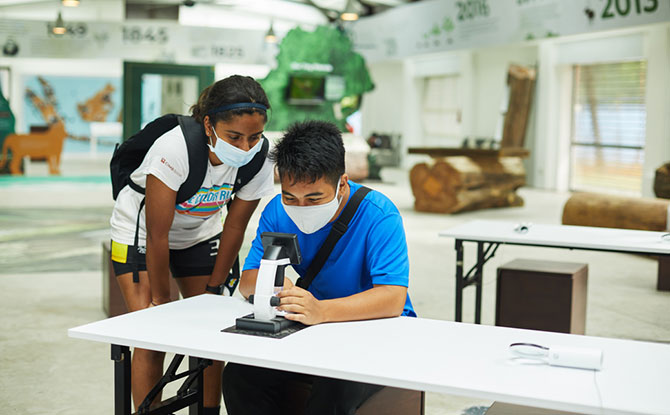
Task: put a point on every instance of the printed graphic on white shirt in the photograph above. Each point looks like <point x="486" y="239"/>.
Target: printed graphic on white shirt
<point x="206" y="202"/>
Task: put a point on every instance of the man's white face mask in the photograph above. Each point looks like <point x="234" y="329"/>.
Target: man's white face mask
<point x="310" y="219"/>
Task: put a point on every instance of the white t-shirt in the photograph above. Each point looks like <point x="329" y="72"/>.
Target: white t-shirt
<point x="197" y="219"/>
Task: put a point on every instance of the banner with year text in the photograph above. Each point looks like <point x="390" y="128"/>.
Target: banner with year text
<point x="441" y="25"/>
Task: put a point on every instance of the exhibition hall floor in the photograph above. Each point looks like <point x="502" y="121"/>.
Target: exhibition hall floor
<point x="50" y="280"/>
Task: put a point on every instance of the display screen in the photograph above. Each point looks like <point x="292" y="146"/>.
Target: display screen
<point x="306" y="89"/>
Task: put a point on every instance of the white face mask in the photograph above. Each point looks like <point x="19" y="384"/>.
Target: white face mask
<point x="231" y="155"/>
<point x="310" y="219"/>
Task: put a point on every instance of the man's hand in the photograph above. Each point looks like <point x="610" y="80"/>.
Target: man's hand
<point x="301" y="306"/>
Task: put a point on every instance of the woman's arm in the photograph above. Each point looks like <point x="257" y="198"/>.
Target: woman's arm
<point x="160" y="203"/>
<point x="239" y="213"/>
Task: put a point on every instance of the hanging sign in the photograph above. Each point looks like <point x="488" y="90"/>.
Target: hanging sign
<point x="133" y="40"/>
<point x="442" y="25"/>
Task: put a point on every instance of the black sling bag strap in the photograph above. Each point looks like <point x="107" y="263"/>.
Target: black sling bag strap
<point x="339" y="228"/>
<point x="136" y="246"/>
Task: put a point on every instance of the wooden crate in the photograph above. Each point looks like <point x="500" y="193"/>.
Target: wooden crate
<point x="542" y="295"/>
<point x="112" y="299"/>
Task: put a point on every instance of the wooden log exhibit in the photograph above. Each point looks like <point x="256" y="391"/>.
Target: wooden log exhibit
<point x="521" y="82"/>
<point x="607" y="211"/>
<point x="458" y="184"/>
<point x="662" y="181"/>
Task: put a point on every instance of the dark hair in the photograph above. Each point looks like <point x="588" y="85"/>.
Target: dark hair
<point x="232" y="90"/>
<point x="310" y="150"/>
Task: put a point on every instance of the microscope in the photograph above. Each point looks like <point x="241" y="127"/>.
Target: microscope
<point x="279" y="251"/>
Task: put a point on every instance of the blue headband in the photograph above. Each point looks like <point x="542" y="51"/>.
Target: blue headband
<point x="238" y="106"/>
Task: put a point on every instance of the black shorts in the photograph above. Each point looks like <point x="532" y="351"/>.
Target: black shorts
<point x="196" y="260"/>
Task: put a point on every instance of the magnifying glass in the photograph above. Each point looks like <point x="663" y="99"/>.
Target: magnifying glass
<point x="575" y="357"/>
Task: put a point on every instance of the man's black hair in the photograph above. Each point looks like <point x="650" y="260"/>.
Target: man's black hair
<point x="310" y="150"/>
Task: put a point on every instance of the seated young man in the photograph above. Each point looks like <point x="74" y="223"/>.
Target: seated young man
<point x="365" y="277"/>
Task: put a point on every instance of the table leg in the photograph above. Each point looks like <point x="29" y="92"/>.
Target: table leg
<point x="663" y="282"/>
<point x="479" y="276"/>
<point x="197" y="407"/>
<point x="459" y="280"/>
<point x="121" y="358"/>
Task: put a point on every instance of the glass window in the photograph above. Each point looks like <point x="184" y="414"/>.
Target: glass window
<point x="441" y="108"/>
<point x="608" y="127"/>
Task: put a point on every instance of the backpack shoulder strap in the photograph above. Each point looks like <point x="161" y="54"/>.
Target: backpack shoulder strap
<point x="339" y="228"/>
<point x="196" y="145"/>
<point x="128" y="156"/>
<point x="249" y="170"/>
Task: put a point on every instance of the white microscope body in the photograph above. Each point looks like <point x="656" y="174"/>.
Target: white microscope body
<point x="279" y="251"/>
<point x="265" y="301"/>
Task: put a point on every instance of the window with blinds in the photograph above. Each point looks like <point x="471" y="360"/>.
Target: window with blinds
<point x="608" y="127"/>
<point x="441" y="109"/>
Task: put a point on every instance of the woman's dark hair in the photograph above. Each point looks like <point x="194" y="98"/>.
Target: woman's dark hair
<point x="232" y="90"/>
<point x="310" y="150"/>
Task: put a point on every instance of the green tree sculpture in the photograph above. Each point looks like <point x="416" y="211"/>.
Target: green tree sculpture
<point x="326" y="45"/>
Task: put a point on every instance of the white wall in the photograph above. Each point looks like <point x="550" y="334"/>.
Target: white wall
<point x="224" y="70"/>
<point x="382" y="108"/>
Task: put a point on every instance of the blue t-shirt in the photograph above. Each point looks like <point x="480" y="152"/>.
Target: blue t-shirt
<point x="373" y="250"/>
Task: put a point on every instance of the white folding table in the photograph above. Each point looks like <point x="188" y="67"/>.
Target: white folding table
<point x="411" y="353"/>
<point x="490" y="234"/>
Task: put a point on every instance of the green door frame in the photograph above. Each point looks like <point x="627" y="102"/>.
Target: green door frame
<point x="132" y="87"/>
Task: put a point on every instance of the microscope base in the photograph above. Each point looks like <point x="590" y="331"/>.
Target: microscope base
<point x="278" y="327"/>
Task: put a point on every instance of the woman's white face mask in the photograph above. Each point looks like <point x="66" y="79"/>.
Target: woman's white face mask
<point x="230" y="155"/>
<point x="310" y="219"/>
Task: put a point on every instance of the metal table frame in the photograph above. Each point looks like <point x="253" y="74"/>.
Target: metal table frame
<point x="189" y="395"/>
<point x="486" y="249"/>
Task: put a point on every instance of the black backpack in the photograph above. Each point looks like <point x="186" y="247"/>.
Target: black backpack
<point x="129" y="155"/>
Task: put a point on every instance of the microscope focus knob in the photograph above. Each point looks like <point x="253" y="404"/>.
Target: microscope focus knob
<point x="274" y="301"/>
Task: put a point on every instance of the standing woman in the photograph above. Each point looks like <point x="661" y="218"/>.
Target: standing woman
<point x="188" y="238"/>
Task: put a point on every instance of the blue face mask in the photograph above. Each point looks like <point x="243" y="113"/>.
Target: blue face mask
<point x="231" y="155"/>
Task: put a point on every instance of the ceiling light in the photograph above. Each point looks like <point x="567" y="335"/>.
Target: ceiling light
<point x="59" y="27"/>
<point x="349" y="13"/>
<point x="70" y="3"/>
<point x="270" y="36"/>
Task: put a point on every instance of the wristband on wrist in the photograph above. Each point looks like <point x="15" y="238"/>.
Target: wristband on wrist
<point x="216" y="289"/>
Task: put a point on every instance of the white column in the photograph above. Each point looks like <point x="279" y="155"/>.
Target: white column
<point x="546" y="145"/>
<point x="657" y="145"/>
<point x="412" y="132"/>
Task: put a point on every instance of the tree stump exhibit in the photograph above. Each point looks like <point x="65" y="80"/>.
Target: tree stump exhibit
<point x="521" y="83"/>
<point x="458" y="184"/>
<point x="662" y="181"/>
<point x="608" y="211"/>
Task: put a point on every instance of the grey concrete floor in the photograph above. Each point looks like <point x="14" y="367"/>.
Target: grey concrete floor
<point x="50" y="280"/>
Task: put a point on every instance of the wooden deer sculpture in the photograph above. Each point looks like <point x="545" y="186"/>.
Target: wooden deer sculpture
<point x="38" y="145"/>
<point x="47" y="144"/>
